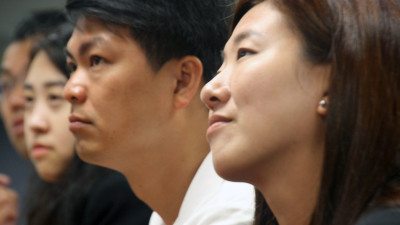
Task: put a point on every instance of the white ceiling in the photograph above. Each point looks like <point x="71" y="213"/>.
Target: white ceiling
<point x="12" y="11"/>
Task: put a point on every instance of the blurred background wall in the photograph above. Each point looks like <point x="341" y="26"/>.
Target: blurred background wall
<point x="11" y="11"/>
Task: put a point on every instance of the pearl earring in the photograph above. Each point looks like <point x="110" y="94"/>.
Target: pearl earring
<point x="323" y="103"/>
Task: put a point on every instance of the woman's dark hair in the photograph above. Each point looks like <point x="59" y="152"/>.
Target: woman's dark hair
<point x="54" y="44"/>
<point x="360" y="40"/>
<point x="63" y="202"/>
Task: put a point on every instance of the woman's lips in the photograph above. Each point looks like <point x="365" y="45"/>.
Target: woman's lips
<point x="39" y="151"/>
<point x="215" y="122"/>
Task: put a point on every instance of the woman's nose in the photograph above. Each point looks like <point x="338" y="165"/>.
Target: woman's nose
<point x="37" y="120"/>
<point x="215" y="93"/>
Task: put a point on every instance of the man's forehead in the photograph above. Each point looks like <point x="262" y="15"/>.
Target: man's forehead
<point x="17" y="51"/>
<point x="15" y="59"/>
<point x="89" y="31"/>
<point x="90" y="26"/>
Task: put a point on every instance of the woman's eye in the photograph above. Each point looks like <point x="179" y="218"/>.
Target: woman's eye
<point x="244" y="52"/>
<point x="55" y="97"/>
<point x="95" y="60"/>
<point x="28" y="101"/>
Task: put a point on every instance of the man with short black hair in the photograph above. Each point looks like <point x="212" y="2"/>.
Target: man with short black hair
<point x="137" y="67"/>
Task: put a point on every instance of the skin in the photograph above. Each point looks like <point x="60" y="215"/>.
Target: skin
<point x="14" y="67"/>
<point x="131" y="118"/>
<point x="8" y="202"/>
<point x="266" y="124"/>
<point x="48" y="139"/>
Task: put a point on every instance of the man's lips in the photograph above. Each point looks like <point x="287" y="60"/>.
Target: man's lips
<point x="18" y="126"/>
<point x="77" y="123"/>
<point x="75" y="118"/>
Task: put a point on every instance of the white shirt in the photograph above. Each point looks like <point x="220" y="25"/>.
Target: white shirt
<point x="211" y="200"/>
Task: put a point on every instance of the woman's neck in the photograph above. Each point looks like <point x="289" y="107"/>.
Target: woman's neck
<point x="291" y="188"/>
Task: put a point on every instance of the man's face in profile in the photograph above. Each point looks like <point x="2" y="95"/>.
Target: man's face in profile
<point x="119" y="102"/>
<point x="13" y="71"/>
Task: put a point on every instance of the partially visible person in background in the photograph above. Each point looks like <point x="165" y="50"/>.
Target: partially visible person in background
<point x="15" y="168"/>
<point x="306" y="107"/>
<point x="13" y="71"/>
<point x="9" y="210"/>
<point x="68" y="191"/>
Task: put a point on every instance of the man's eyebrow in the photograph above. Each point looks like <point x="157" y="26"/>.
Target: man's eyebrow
<point x="86" y="46"/>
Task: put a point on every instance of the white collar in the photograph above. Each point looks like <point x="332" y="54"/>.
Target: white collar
<point x="204" y="185"/>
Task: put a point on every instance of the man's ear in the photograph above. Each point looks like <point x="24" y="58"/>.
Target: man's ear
<point x="189" y="78"/>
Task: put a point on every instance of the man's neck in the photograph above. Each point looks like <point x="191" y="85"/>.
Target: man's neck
<point x="164" y="179"/>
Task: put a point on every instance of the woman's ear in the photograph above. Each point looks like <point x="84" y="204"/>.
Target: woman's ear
<point x="189" y="78"/>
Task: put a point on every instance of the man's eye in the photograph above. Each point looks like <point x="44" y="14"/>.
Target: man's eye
<point x="71" y="67"/>
<point x="244" y="52"/>
<point x="95" y="60"/>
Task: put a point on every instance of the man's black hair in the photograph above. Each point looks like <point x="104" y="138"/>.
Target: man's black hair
<point x="166" y="29"/>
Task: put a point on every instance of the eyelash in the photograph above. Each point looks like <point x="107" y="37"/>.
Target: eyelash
<point x="52" y="97"/>
<point x="96" y="60"/>
<point x="71" y="67"/>
<point x="93" y="60"/>
<point x="28" y="99"/>
<point x="242" y="52"/>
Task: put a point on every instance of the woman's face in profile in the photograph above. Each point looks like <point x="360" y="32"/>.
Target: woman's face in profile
<point x="49" y="141"/>
<point x="263" y="101"/>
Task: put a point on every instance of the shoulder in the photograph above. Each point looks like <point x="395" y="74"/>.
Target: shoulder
<point x="381" y="216"/>
<point x="111" y="201"/>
